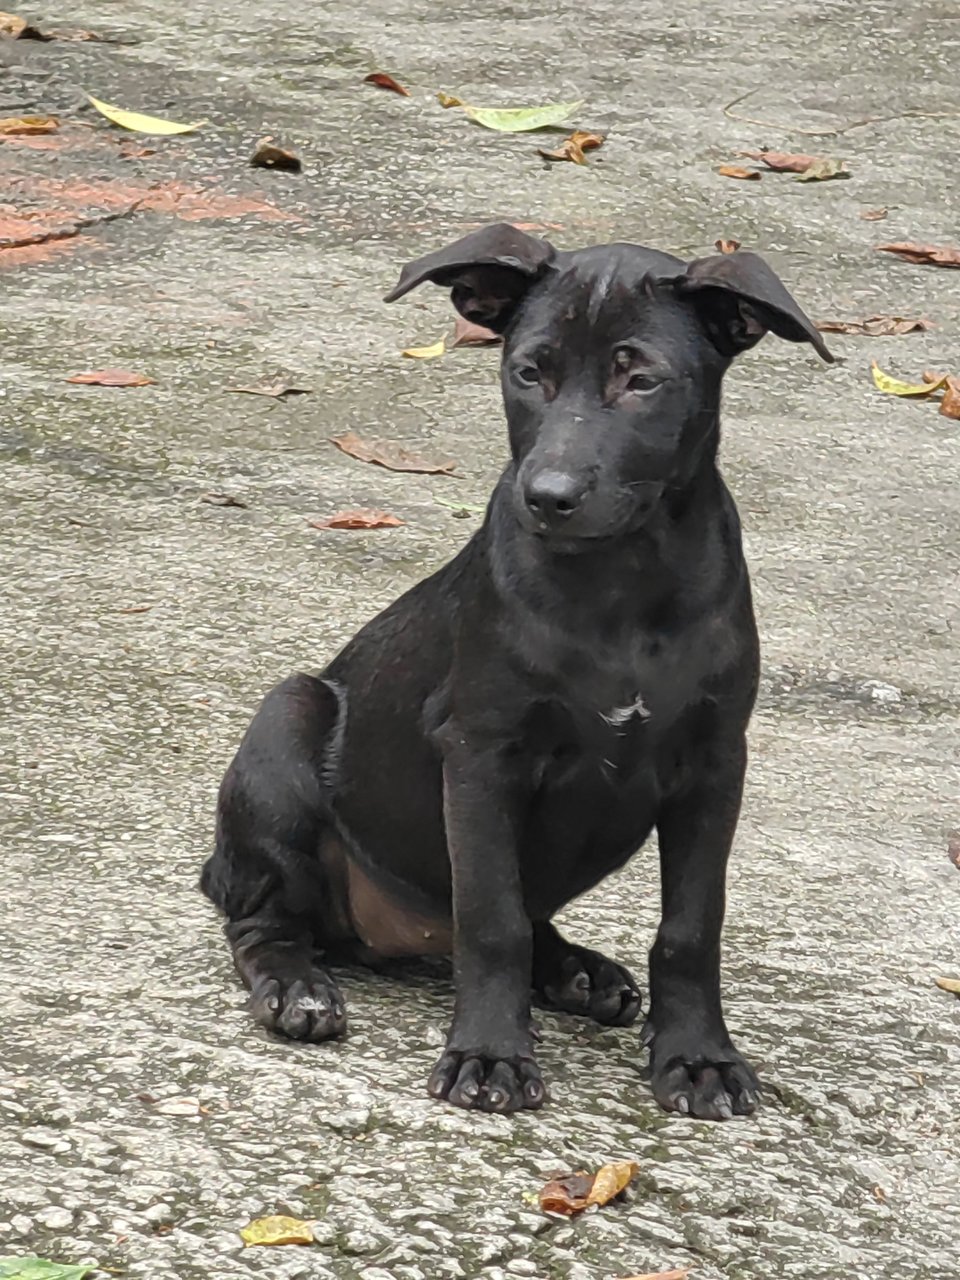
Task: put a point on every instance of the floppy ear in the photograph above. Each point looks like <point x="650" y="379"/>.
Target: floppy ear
<point x="488" y="272"/>
<point x="740" y="299"/>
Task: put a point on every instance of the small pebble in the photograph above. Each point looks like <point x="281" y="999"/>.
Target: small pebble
<point x="55" y="1218"/>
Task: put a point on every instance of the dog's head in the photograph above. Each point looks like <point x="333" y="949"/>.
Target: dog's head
<point x="612" y="362"/>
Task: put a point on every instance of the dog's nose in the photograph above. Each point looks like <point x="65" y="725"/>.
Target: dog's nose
<point x="553" y="496"/>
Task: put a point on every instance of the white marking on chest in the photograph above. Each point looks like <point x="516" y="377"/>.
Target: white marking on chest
<point x="618" y="716"/>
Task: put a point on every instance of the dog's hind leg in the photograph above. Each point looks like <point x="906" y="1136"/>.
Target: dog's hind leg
<point x="577" y="980"/>
<point x="267" y="874"/>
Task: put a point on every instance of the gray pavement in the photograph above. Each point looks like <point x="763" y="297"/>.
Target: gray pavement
<point x="139" y="627"/>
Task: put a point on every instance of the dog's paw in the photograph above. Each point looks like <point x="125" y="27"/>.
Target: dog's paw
<point x="308" y="1008"/>
<point x="486" y="1082"/>
<point x="588" y="984"/>
<point x="710" y="1085"/>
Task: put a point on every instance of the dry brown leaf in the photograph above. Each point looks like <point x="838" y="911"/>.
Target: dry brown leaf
<point x="112" y="378"/>
<point x="925" y="254"/>
<point x="574" y="1192"/>
<point x="383" y="81"/>
<point x="215" y="499"/>
<point x="738" y="171"/>
<point x="361" y="518"/>
<point x="277" y="1229"/>
<point x="873" y="215"/>
<point x="448" y="100"/>
<point x="876" y="326"/>
<point x="949" y="984"/>
<point x="468" y="334"/>
<point x="16" y="28"/>
<point x="277" y="390"/>
<point x="780" y="161"/>
<point x="573" y="148"/>
<point x="953" y="848"/>
<point x="950" y="404"/>
<point x="879" y="1194"/>
<point x="393" y="457"/>
<point x="136" y="608"/>
<point x="726" y="246"/>
<point x="269" y="156"/>
<point x="28" y="125"/>
<point x="678" y="1273"/>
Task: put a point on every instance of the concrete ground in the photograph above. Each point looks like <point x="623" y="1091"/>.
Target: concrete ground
<point x="140" y="626"/>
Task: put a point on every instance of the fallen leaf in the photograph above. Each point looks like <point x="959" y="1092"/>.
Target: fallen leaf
<point x="611" y="1179"/>
<point x="678" y="1273"/>
<point x="393" y="457"/>
<point x="112" y="378"/>
<point x="383" y="81"/>
<point x="426" y="353"/>
<point x="574" y="1192"/>
<point x="277" y="1230"/>
<point x="949" y="984"/>
<point x="726" y="246"/>
<point x="268" y="155"/>
<point x="12" y="125"/>
<point x="738" y="171"/>
<point x="873" y="215"/>
<point x="13" y="27"/>
<point x="140" y="123"/>
<point x="950" y="404"/>
<point x="953" y="848"/>
<point x="573" y="148"/>
<point x="136" y="608"/>
<point x="894" y="387"/>
<point x="931" y="375"/>
<point x="876" y="326"/>
<point x="215" y="499"/>
<point x="925" y="254"/>
<point x="468" y="334"/>
<point x="31" y="1268"/>
<point x="780" y="161"/>
<point x="176" y="1106"/>
<point x="276" y="390"/>
<point x="822" y="170"/>
<point x="879" y="1194"/>
<point x="521" y="119"/>
<point x="362" y="518"/>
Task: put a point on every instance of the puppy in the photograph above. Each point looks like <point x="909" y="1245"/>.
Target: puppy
<point x="511" y="730"/>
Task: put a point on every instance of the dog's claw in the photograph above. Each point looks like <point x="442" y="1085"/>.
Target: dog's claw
<point x="706" y="1085"/>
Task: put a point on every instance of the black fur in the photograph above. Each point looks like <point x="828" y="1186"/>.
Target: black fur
<point x="511" y="730"/>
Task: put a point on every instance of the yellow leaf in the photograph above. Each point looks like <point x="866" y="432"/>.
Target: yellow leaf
<point x="949" y="984"/>
<point x="426" y="353"/>
<point x="448" y="100"/>
<point x="611" y="1180"/>
<point x="277" y="1230"/>
<point x="521" y="119"/>
<point x="894" y="387"/>
<point x="141" y="124"/>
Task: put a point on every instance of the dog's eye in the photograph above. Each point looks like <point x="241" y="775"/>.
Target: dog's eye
<point x="643" y="382"/>
<point x="528" y="374"/>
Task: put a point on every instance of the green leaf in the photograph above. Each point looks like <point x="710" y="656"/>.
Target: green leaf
<point x="141" y="124"/>
<point x="521" y="119"/>
<point x="821" y="170"/>
<point x="40" y="1269"/>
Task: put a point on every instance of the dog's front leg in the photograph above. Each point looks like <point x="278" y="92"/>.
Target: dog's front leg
<point x="695" y="1068"/>
<point x="488" y="1061"/>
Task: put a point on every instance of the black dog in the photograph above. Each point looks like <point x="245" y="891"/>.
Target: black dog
<point x="509" y="732"/>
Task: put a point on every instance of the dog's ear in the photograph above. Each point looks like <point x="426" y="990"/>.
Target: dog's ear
<point x="488" y="272"/>
<point x="740" y="299"/>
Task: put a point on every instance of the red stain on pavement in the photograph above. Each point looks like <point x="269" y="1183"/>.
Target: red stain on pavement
<point x="54" y="210"/>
